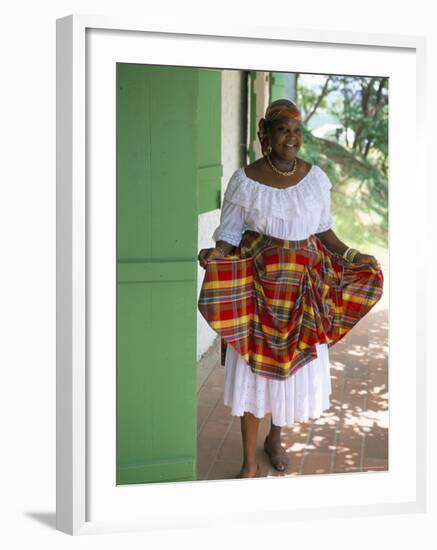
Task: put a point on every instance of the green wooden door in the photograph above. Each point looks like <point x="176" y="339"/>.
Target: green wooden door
<point x="157" y="165"/>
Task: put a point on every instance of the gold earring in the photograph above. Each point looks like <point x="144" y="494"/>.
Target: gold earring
<point x="269" y="149"/>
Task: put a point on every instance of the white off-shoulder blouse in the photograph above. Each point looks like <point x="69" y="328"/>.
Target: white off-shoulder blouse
<point x="292" y="213"/>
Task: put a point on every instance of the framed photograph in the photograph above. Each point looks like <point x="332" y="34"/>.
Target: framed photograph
<point x="127" y="271"/>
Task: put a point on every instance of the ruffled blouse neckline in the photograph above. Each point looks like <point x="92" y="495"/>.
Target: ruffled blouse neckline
<point x="290" y="187"/>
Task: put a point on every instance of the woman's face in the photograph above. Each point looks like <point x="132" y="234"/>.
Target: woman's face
<point x="286" y="138"/>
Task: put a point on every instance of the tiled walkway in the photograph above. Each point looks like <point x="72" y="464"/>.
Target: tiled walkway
<point x="351" y="436"/>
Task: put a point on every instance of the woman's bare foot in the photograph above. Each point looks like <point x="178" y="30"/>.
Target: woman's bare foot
<point x="248" y="471"/>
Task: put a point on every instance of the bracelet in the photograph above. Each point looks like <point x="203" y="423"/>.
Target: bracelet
<point x="353" y="254"/>
<point x="349" y="254"/>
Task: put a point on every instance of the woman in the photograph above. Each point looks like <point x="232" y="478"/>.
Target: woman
<point x="280" y="287"/>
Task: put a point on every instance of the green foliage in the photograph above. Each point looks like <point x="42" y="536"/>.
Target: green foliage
<point x="358" y="170"/>
<point x="308" y="98"/>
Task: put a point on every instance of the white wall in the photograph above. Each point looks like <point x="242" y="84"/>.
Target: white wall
<point x="233" y="147"/>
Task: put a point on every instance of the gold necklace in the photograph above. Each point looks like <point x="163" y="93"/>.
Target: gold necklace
<point x="273" y="167"/>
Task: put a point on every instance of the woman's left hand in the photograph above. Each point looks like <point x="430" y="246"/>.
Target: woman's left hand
<point x="367" y="259"/>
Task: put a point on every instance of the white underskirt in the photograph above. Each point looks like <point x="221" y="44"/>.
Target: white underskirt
<point x="303" y="395"/>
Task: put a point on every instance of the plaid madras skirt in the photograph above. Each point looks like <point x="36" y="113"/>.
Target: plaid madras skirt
<point x="274" y="299"/>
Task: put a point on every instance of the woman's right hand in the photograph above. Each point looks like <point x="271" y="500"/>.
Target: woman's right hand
<point x="207" y="254"/>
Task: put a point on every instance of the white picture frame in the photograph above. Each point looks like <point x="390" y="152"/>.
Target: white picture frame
<point x="87" y="499"/>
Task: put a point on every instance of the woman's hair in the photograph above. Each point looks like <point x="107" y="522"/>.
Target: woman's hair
<point x="274" y="112"/>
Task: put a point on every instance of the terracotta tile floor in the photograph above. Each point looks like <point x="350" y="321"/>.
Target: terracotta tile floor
<point x="352" y="436"/>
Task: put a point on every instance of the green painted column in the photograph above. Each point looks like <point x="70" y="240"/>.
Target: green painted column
<point x="282" y="85"/>
<point x="209" y="112"/>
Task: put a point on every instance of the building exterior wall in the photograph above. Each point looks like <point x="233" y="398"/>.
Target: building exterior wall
<point x="233" y="128"/>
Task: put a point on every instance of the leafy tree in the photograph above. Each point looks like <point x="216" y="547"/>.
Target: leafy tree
<point x="358" y="169"/>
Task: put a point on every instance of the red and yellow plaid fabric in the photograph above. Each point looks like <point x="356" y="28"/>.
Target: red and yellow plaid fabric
<point x="275" y="299"/>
